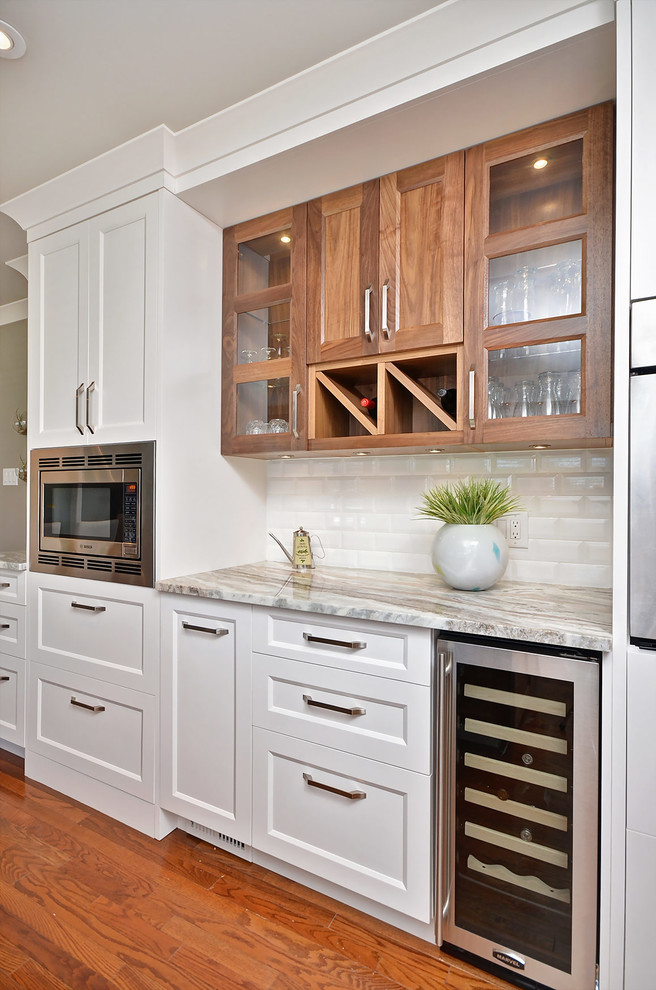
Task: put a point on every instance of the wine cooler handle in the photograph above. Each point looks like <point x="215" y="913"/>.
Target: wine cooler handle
<point x="384" y="327"/>
<point x="472" y="392"/>
<point x="367" y="312"/>
<point x="445" y="803"/>
<point x="295" y="395"/>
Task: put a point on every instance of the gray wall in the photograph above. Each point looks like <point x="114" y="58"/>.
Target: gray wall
<point x="13" y="446"/>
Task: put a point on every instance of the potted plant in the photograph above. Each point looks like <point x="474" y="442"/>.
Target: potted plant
<point x="469" y="552"/>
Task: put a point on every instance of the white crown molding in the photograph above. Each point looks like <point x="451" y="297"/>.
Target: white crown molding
<point x="444" y="47"/>
<point x="13" y="312"/>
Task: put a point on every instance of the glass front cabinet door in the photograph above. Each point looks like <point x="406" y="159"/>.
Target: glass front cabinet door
<point x="263" y="378"/>
<point x="538" y="284"/>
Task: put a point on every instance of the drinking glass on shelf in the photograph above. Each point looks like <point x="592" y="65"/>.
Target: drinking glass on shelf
<point x="278" y="426"/>
<point x="567" y="286"/>
<point x="268" y="353"/>
<point x="547" y="402"/>
<point x="256" y="426"/>
<point x="524" y="293"/>
<point x="525" y="401"/>
<point x="574" y="381"/>
<point x="500" y="301"/>
<point x="282" y="344"/>
<point x="248" y="356"/>
<point x="495" y="390"/>
<point x="563" y="394"/>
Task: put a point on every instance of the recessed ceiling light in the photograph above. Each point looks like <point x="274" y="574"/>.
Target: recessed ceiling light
<point x="12" y="43"/>
<point x="539" y="446"/>
<point x="540" y="163"/>
<point x="285" y="238"/>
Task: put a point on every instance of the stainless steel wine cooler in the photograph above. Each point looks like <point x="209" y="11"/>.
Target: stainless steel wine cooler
<point x="518" y="810"/>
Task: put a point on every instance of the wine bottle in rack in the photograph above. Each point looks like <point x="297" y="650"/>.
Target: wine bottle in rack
<point x="368" y="404"/>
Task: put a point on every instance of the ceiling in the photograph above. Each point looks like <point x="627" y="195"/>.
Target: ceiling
<point x="99" y="72"/>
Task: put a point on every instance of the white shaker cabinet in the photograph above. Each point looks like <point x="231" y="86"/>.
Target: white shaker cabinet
<point x="12" y="656"/>
<point x="93" y="322"/>
<point x="206" y="717"/>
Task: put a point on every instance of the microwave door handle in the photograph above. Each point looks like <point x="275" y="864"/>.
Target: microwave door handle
<point x="90" y="388"/>
<point x="78" y="392"/>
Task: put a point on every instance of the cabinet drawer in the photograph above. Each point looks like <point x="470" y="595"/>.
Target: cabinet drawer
<point x="362" y="825"/>
<point x="12" y="586"/>
<point x="12" y="700"/>
<point x="12" y="629"/>
<point x="110" y="636"/>
<point x="369" y="716"/>
<point x="100" y="730"/>
<point x="400" y="652"/>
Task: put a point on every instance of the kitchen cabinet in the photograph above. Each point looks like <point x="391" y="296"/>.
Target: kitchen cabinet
<point x="643" y="151"/>
<point x="12" y="656"/>
<point x="342" y="754"/>
<point x="385" y="263"/>
<point x="92" y="696"/>
<point x="93" y="321"/>
<point x="263" y="377"/>
<point x="538" y="284"/>
<point x="206" y="717"/>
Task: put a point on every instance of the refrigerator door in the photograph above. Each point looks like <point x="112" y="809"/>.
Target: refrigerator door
<point x="642" y="539"/>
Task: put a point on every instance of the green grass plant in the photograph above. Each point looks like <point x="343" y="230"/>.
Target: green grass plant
<point x="474" y="501"/>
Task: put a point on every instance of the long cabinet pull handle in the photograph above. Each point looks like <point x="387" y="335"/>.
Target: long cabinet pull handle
<point x="206" y="629"/>
<point x="89" y="708"/>
<point x="5" y="584"/>
<point x="333" y="708"/>
<point x="354" y="645"/>
<point x="295" y="395"/>
<point x="5" y="677"/>
<point x="367" y="312"/>
<point x="90" y="388"/>
<point x="444" y="817"/>
<point x="472" y="386"/>
<point x="89" y="608"/>
<point x="5" y="625"/>
<point x="78" y="392"/>
<point x="351" y="795"/>
<point x="384" y="327"/>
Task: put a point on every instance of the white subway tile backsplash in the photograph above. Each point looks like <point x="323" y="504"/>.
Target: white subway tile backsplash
<point x="365" y="510"/>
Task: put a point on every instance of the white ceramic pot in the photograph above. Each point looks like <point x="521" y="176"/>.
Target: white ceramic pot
<point x="470" y="558"/>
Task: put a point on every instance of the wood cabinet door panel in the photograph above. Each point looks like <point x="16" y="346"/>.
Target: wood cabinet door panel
<point x="342" y="264"/>
<point x="421" y="243"/>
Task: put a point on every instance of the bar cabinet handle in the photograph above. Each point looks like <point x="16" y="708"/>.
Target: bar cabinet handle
<point x="354" y="645"/>
<point x="367" y="312"/>
<point x="384" y="328"/>
<point x="89" y="708"/>
<point x="5" y="625"/>
<point x="5" y="677"/>
<point x="90" y="388"/>
<point x="78" y="392"/>
<point x="89" y="608"/>
<point x="472" y="386"/>
<point x="444" y="811"/>
<point x="206" y="629"/>
<point x="295" y="395"/>
<point x="332" y="708"/>
<point x="351" y="795"/>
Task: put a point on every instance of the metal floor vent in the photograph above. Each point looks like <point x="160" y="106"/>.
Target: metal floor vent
<point x="215" y="838"/>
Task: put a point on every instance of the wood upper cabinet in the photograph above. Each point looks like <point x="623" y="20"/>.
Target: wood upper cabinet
<point x="264" y="367"/>
<point x="385" y="263"/>
<point x="538" y="284"/>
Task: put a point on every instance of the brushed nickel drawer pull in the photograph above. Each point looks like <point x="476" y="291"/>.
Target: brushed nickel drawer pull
<point x="89" y="608"/>
<point x="333" y="708"/>
<point x="5" y="625"/>
<point x="207" y="629"/>
<point x="354" y="645"/>
<point x="90" y="708"/>
<point x="5" y="584"/>
<point x="5" y="677"/>
<point x="351" y="795"/>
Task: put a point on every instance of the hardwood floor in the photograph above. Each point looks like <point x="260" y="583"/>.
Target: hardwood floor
<point x="89" y="904"/>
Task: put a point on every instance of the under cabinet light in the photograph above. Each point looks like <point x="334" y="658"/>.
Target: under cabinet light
<point x="286" y="239"/>
<point x="540" y="163"/>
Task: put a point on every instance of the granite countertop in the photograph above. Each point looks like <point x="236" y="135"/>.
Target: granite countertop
<point x="538" y="613"/>
<point x="13" y="560"/>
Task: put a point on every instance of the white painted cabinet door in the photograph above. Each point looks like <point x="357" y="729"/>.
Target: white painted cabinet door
<point x="643" y="226"/>
<point x="123" y="260"/>
<point x="206" y="714"/>
<point x="58" y="336"/>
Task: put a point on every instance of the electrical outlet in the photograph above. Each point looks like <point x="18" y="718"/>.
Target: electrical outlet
<point x="514" y="526"/>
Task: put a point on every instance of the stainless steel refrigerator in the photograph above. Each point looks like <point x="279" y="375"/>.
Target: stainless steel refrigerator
<point x="642" y="485"/>
<point x="518" y="811"/>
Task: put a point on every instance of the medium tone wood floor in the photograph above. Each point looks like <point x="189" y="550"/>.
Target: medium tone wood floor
<point x="89" y="904"/>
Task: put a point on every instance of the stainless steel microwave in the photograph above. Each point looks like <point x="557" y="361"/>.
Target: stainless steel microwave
<point x="92" y="512"/>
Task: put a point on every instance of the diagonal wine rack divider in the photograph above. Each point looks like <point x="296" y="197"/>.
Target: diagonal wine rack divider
<point x="422" y="394"/>
<point x="350" y="400"/>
